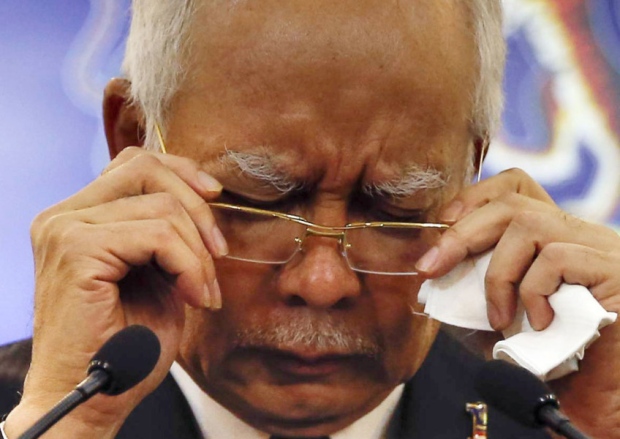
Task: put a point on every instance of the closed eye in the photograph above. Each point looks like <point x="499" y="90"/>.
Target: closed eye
<point x="290" y="202"/>
<point x="376" y="209"/>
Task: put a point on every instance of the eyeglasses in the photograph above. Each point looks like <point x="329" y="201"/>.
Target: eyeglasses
<point x="268" y="237"/>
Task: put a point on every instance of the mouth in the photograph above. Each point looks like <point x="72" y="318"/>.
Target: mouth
<point x="307" y="365"/>
<point x="308" y="348"/>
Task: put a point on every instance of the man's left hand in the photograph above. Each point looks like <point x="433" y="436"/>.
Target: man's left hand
<point x="537" y="248"/>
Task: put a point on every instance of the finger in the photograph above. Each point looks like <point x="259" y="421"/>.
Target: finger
<point x="96" y="257"/>
<point x="189" y="170"/>
<point x="166" y="248"/>
<point x="482" y="229"/>
<point x="476" y="233"/>
<point x="511" y="259"/>
<point x="152" y="206"/>
<point x="166" y="207"/>
<point x="472" y="197"/>
<point x="139" y="173"/>
<point x="569" y="263"/>
<point x="528" y="234"/>
<point x="146" y="174"/>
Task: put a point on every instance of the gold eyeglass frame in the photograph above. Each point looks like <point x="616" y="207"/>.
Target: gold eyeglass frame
<point x="312" y="229"/>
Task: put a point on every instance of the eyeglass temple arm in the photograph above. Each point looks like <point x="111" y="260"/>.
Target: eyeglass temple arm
<point x="486" y="141"/>
<point x="160" y="138"/>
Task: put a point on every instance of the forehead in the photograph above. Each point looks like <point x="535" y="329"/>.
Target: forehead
<point x="378" y="83"/>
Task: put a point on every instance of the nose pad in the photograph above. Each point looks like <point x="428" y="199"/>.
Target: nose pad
<point x="319" y="276"/>
<point x="334" y="234"/>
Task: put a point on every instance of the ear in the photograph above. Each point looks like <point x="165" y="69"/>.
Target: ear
<point x="123" y="121"/>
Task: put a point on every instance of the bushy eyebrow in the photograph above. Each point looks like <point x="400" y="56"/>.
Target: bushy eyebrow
<point x="262" y="168"/>
<point x="412" y="181"/>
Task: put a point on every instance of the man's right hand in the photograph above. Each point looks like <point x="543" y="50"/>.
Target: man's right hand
<point x="133" y="247"/>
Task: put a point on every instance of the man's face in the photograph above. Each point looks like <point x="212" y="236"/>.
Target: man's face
<point x="321" y="99"/>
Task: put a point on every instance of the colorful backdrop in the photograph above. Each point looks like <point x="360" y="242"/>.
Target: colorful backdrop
<point x="561" y="122"/>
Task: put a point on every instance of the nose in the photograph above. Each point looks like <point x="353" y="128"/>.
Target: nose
<point x="319" y="277"/>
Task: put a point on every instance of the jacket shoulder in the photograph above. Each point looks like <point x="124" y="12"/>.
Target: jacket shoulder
<point x="14" y="364"/>
<point x="435" y="399"/>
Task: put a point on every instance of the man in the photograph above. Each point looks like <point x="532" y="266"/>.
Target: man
<point x="337" y="112"/>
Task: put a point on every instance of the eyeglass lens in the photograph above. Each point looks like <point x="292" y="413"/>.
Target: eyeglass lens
<point x="268" y="239"/>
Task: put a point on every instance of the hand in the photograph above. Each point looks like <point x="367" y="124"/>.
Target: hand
<point x="537" y="247"/>
<point x="134" y="246"/>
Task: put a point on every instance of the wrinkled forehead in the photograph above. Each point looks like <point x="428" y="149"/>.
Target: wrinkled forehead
<point x="347" y="45"/>
<point x="402" y="73"/>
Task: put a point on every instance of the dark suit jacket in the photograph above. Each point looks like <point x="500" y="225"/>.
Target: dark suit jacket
<point x="432" y="407"/>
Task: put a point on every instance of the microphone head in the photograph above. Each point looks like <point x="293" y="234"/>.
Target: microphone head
<point x="127" y="357"/>
<point x="514" y="390"/>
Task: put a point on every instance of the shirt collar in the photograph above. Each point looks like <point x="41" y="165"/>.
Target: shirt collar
<point x="216" y="422"/>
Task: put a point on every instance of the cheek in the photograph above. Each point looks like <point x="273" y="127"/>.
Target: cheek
<point x="207" y="334"/>
<point x="250" y="295"/>
<point x="407" y="337"/>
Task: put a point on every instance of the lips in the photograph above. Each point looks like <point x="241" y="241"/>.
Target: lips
<point x="308" y="364"/>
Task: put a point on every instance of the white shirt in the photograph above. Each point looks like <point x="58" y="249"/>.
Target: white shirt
<point x="216" y="422"/>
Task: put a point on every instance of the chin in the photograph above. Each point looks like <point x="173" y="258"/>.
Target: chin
<point x="303" y="409"/>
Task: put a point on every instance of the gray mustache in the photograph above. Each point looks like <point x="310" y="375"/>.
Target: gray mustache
<point x="320" y="334"/>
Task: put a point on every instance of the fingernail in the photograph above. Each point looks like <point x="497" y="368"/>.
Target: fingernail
<point x="534" y="323"/>
<point x="493" y="315"/>
<point x="219" y="242"/>
<point x="218" y="295"/>
<point x="209" y="183"/>
<point x="452" y="213"/>
<point x="428" y="261"/>
<point x="206" y="300"/>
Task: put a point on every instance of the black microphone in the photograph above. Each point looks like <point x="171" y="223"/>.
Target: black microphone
<point x="121" y="363"/>
<point x="522" y="396"/>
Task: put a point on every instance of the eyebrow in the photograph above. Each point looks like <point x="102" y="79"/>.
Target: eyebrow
<point x="263" y="168"/>
<point x="413" y="180"/>
<point x="260" y="167"/>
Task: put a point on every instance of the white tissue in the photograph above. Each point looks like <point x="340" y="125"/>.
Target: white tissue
<point x="458" y="299"/>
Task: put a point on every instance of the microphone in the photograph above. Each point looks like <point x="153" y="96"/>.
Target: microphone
<point x="521" y="395"/>
<point x="121" y="363"/>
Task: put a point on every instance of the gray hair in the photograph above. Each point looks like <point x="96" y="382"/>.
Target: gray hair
<point x="159" y="44"/>
<point x="157" y="47"/>
<point x="489" y="96"/>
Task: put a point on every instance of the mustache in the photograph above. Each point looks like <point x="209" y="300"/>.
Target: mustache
<point x="320" y="333"/>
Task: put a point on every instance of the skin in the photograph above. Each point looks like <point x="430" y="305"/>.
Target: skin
<point x="537" y="247"/>
<point x="337" y="108"/>
<point x="332" y="136"/>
